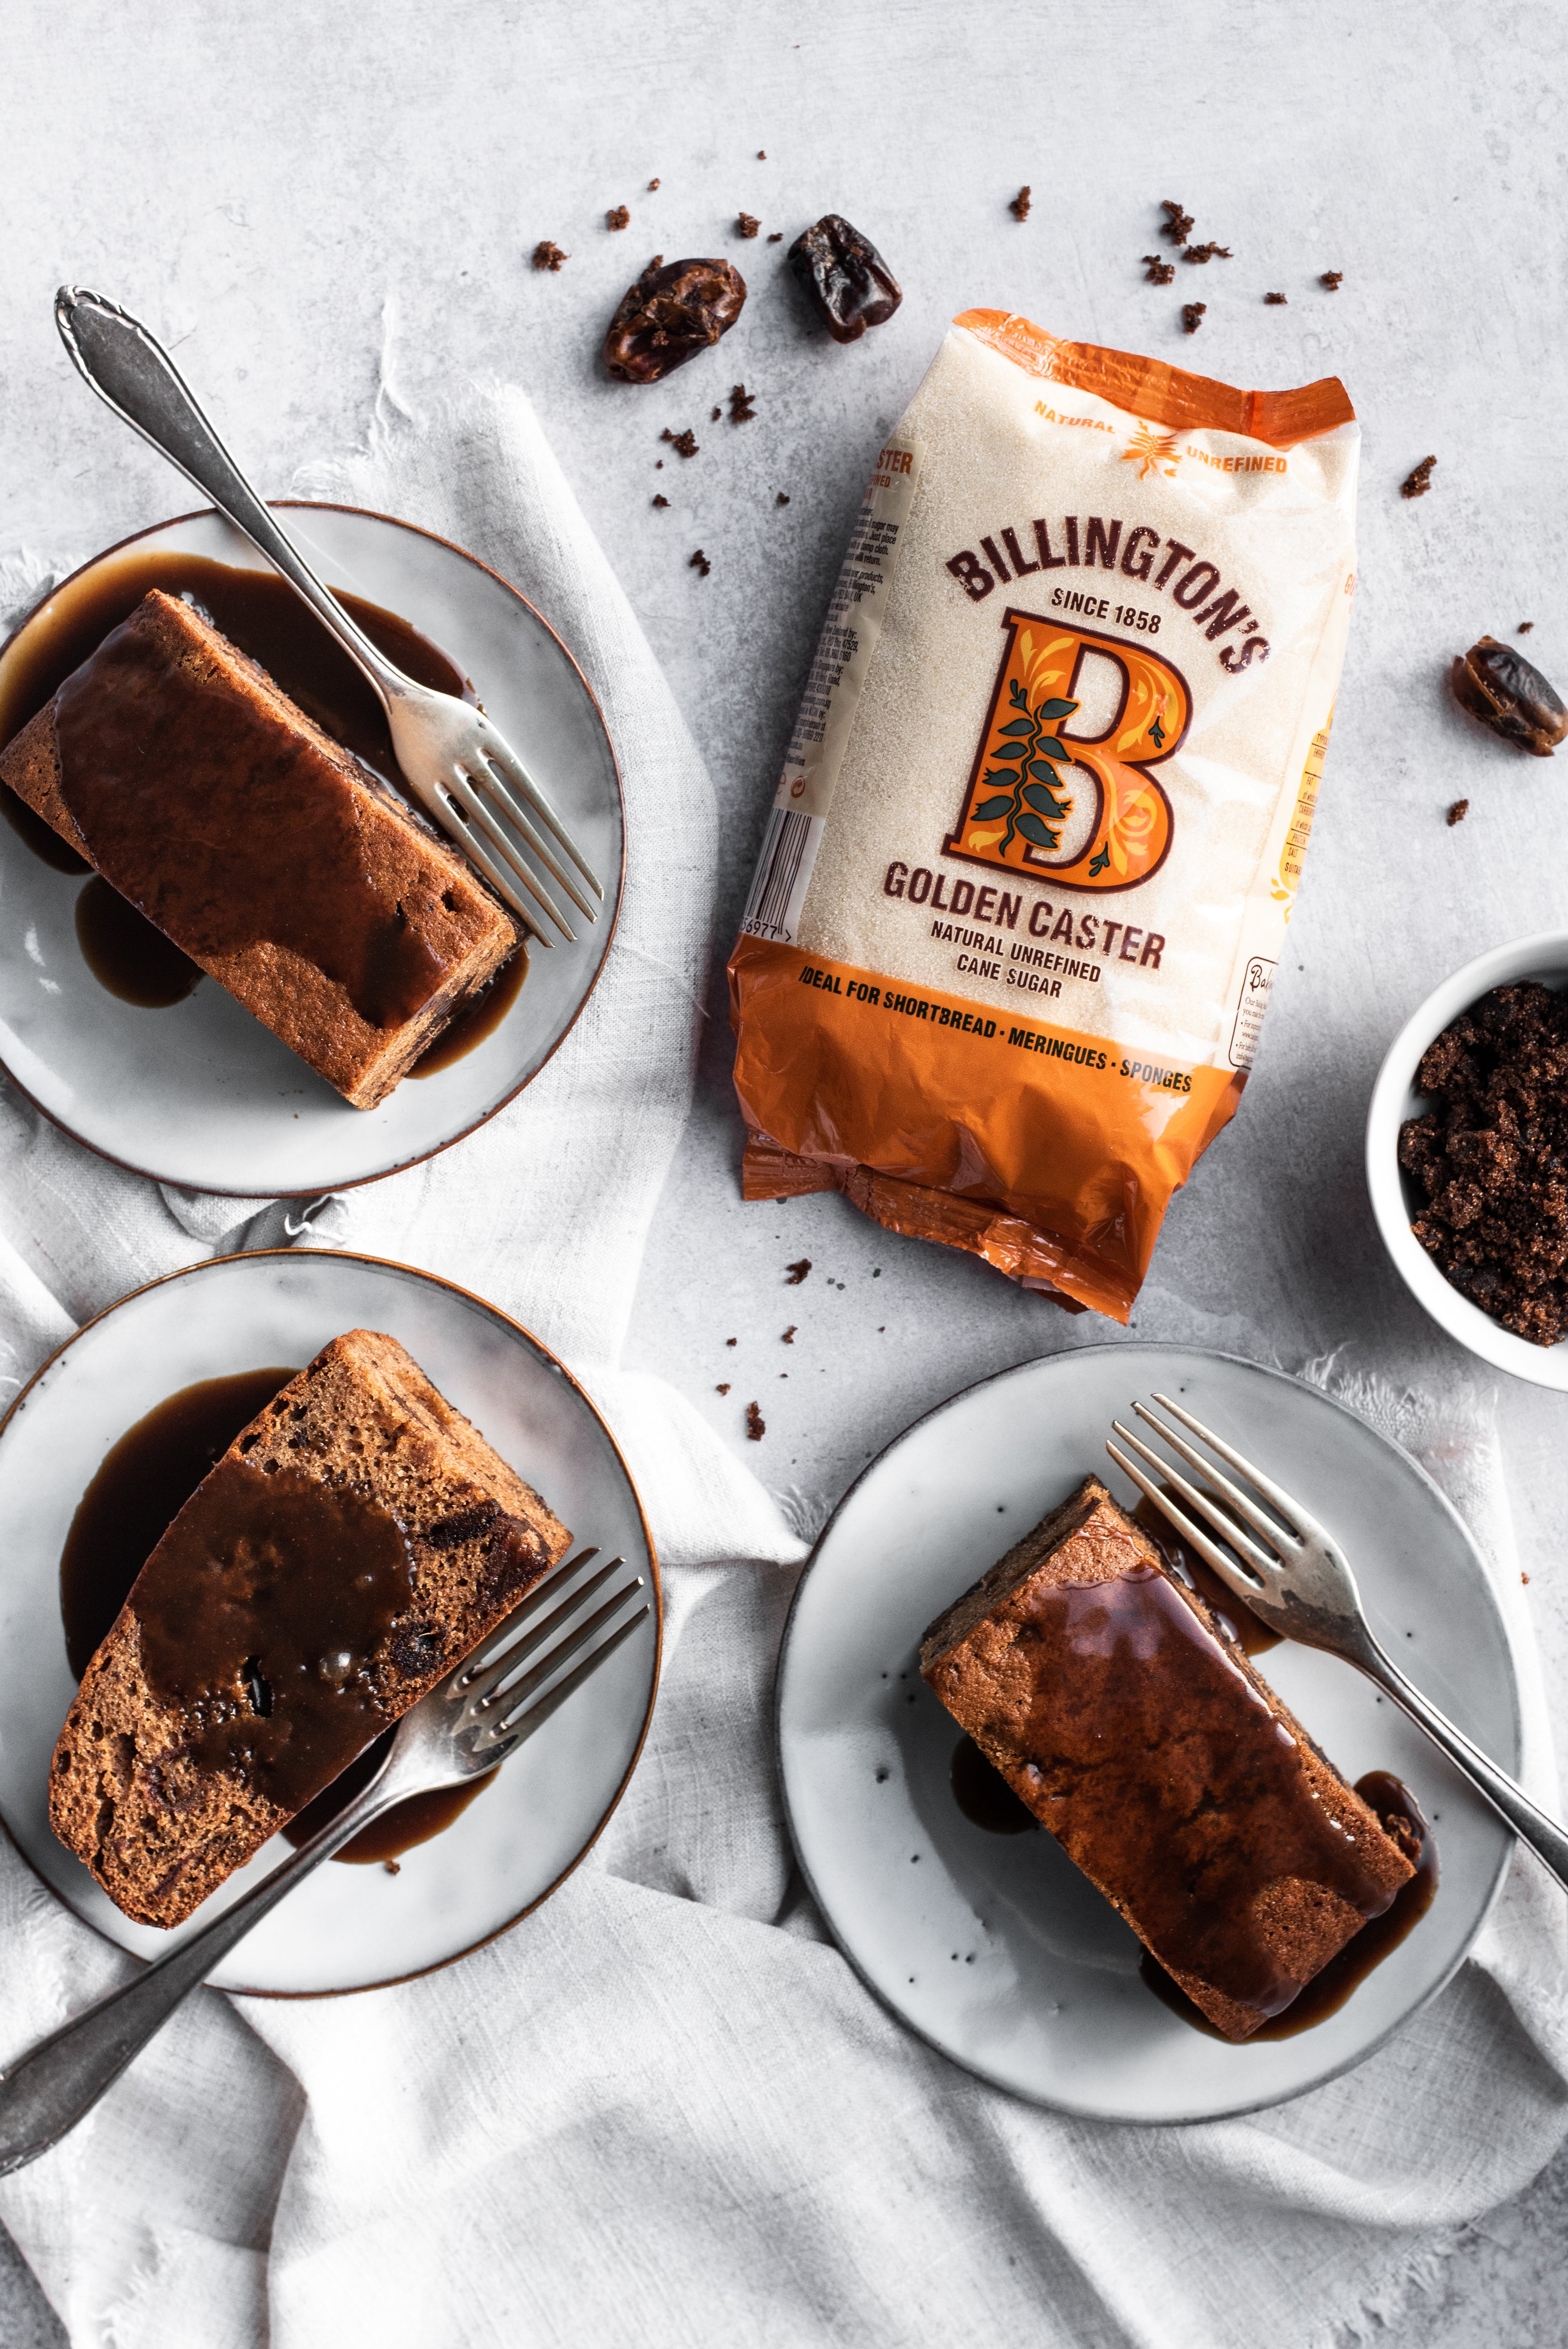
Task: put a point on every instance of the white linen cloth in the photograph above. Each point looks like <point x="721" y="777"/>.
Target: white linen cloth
<point x="663" y="2109"/>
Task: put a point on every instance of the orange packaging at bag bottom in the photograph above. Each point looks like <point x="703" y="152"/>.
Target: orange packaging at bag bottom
<point x="1051" y="1152"/>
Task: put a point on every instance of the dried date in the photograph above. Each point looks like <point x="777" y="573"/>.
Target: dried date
<point x="673" y="312"/>
<point x="844" y="277"/>
<point x="1509" y="695"/>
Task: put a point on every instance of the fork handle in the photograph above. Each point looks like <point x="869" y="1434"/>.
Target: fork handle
<point x="1546" y="1836"/>
<point x="44" y="2093"/>
<point x="134" y="375"/>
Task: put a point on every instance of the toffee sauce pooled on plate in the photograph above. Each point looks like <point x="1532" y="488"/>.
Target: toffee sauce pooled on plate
<point x="260" y="613"/>
<point x="1326" y="1992"/>
<point x="984" y="1795"/>
<point x="144" y="1482"/>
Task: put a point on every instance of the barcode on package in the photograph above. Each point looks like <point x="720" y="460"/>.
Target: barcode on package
<point x="778" y="895"/>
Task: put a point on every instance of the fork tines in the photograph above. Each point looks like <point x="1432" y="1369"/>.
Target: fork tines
<point x="1257" y="1564"/>
<point x="489" y="796"/>
<point x="496" y="1691"/>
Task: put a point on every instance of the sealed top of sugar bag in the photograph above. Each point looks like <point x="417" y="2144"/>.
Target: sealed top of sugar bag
<point x="1052" y="780"/>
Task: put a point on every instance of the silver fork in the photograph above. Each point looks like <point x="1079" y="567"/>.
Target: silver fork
<point x="468" y="1723"/>
<point x="1297" y="1578"/>
<point x="456" y="761"/>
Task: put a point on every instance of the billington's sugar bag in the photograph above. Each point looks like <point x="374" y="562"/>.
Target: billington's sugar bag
<point x="1006" y="958"/>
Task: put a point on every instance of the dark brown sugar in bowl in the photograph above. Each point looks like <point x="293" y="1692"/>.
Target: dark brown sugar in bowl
<point x="1488" y="1162"/>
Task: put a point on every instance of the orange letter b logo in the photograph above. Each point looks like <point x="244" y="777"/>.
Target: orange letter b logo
<point x="1035" y="784"/>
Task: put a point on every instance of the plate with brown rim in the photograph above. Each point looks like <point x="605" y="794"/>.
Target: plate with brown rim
<point x="349" y="1925"/>
<point x="991" y="1945"/>
<point x="189" y="1089"/>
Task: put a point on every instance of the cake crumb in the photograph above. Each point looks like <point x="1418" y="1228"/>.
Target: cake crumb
<point x="685" y="444"/>
<point x="1417" y="482"/>
<point x="789" y="1338"/>
<point x="1207" y="252"/>
<point x="1020" y="207"/>
<point x="651" y="185"/>
<point x="797" y="1272"/>
<point x="1178" y="223"/>
<point x="724" y="1389"/>
<point x="1275" y="297"/>
<point x="776" y="236"/>
<point x="547" y="255"/>
<point x="747" y="224"/>
<point x="1157" y="272"/>
<point x="732" y="1342"/>
<point x="619" y="218"/>
<point x="780" y="500"/>
<point x="1192" y="317"/>
<point x="755" y="1425"/>
<point x="762" y="155"/>
<point x="659" y="499"/>
<point x="1524" y="1578"/>
<point x="1459" y="811"/>
<point x="742" y="405"/>
<point x="1333" y="278"/>
<point x="1525" y="626"/>
<point x="393" y="1867"/>
<point x="699" y="563"/>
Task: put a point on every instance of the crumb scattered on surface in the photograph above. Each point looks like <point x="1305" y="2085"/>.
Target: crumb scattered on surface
<point x="755" y="1425"/>
<point x="1275" y="297"/>
<point x="724" y="1389"/>
<point x="659" y="500"/>
<point x="796" y="1272"/>
<point x="776" y="236"/>
<point x="698" y="561"/>
<point x="1490" y="1157"/>
<point x="395" y="1868"/>
<point x="714" y="417"/>
<point x="1178" y="223"/>
<point x="1333" y="278"/>
<point x="619" y="218"/>
<point x="1459" y="811"/>
<point x="1207" y="252"/>
<point x="1020" y="207"/>
<point x="651" y="185"/>
<point x="789" y="1338"/>
<point x="1417" y="482"/>
<point x="685" y="444"/>
<point x="1192" y="317"/>
<point x="1157" y="272"/>
<point x="1525" y="626"/>
<point x="762" y="155"/>
<point x="547" y="255"/>
<point x="732" y="1342"/>
<point x="1524" y="1578"/>
<point x="742" y="404"/>
<point x="744" y="223"/>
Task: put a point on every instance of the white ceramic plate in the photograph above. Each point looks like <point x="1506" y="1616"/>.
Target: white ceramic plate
<point x="348" y="1927"/>
<point x="201" y="1093"/>
<point x="994" y="1948"/>
<point x="1395" y="1098"/>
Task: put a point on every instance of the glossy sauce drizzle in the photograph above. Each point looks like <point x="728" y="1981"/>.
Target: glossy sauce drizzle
<point x="1125" y="1668"/>
<point x="1327" y="1991"/>
<point x="144" y="1481"/>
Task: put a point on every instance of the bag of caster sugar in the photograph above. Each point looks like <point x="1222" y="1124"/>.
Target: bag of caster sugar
<point x="1006" y="958"/>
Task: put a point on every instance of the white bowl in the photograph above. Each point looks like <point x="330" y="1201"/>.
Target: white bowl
<point x="1395" y="1098"/>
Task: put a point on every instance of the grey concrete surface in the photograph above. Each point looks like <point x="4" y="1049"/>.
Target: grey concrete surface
<point x="315" y="204"/>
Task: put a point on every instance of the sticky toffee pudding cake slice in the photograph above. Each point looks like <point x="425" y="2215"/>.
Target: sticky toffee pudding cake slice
<point x="264" y="850"/>
<point x="1165" y="1766"/>
<point x="354" y="1541"/>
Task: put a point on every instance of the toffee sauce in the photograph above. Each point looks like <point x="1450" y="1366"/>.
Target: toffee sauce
<point x="984" y="1795"/>
<point x="260" y="613"/>
<point x="1126" y="1668"/>
<point x="143" y="1483"/>
<point x="1327" y="1991"/>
